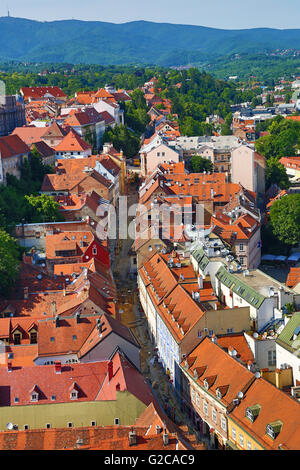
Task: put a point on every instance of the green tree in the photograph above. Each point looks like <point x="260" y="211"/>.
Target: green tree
<point x="276" y="174"/>
<point x="45" y="208"/>
<point x="199" y="164"/>
<point x="285" y="219"/>
<point x="283" y="139"/>
<point x="9" y="262"/>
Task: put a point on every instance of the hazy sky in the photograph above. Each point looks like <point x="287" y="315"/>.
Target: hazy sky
<point x="215" y="13"/>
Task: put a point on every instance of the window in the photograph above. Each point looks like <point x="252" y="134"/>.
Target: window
<point x="230" y="330"/>
<point x="158" y="154"/>
<point x="249" y="445"/>
<point x="74" y="395"/>
<point x="17" y="338"/>
<point x="214" y="415"/>
<point x="241" y="246"/>
<point x="117" y="421"/>
<point x="223" y="423"/>
<point x="242" y="259"/>
<point x="34" y="397"/>
<point x="93" y="423"/>
<point x="249" y="414"/>
<point x="233" y="431"/>
<point x="241" y="440"/>
<point x="33" y="337"/>
<point x="193" y="395"/>
<point x="70" y="425"/>
<point x="272" y="358"/>
<point x="16" y="399"/>
<point x="48" y="426"/>
<point x="94" y="250"/>
<point x="53" y="397"/>
<point x="26" y="426"/>
<point x="205" y="407"/>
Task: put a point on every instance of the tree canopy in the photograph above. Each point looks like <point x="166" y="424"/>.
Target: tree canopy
<point x="283" y="139"/>
<point x="199" y="164"/>
<point x="9" y="262"/>
<point x="276" y="174"/>
<point x="285" y="219"/>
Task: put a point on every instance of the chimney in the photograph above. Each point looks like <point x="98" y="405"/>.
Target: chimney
<point x="9" y="367"/>
<point x="77" y="317"/>
<point x="165" y="438"/>
<point x="57" y="321"/>
<point x="57" y="367"/>
<point x="214" y="338"/>
<point x="110" y="369"/>
<point x="26" y="291"/>
<point x="132" y="438"/>
<point x="53" y="308"/>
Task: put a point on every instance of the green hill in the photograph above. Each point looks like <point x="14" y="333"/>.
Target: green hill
<point x="138" y="42"/>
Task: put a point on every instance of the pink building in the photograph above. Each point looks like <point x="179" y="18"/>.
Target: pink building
<point x="248" y="169"/>
<point x="158" y="156"/>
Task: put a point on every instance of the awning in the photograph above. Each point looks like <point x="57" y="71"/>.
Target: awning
<point x="294" y="257"/>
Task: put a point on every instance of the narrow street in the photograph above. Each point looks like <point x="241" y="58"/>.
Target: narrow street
<point x="132" y="315"/>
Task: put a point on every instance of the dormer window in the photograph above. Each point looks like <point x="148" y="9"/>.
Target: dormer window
<point x="252" y="412"/>
<point x="206" y="384"/>
<point x="34" y="396"/>
<point x="273" y="429"/>
<point x="74" y="395"/>
<point x="74" y="391"/>
<point x="218" y="394"/>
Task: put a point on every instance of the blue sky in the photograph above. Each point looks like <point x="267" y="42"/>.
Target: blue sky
<point x="225" y="14"/>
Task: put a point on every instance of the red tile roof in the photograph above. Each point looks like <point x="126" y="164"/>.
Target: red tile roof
<point x="239" y="343"/>
<point x="89" y="377"/>
<point x="40" y="92"/>
<point x="108" y="325"/>
<point x="275" y="406"/>
<point x="29" y="134"/>
<point x="293" y="277"/>
<point x="72" y="142"/>
<point x="69" y="336"/>
<point x="12" y="146"/>
<point x="114" y="438"/>
<point x="222" y="371"/>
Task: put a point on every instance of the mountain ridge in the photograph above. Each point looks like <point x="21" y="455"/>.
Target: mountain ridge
<point x="134" y="42"/>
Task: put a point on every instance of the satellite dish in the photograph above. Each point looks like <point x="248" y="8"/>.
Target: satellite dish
<point x="255" y="335"/>
<point x="9" y="426"/>
<point x="257" y="375"/>
<point x="240" y="395"/>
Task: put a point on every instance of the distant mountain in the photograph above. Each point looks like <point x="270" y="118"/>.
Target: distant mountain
<point x="138" y="42"/>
